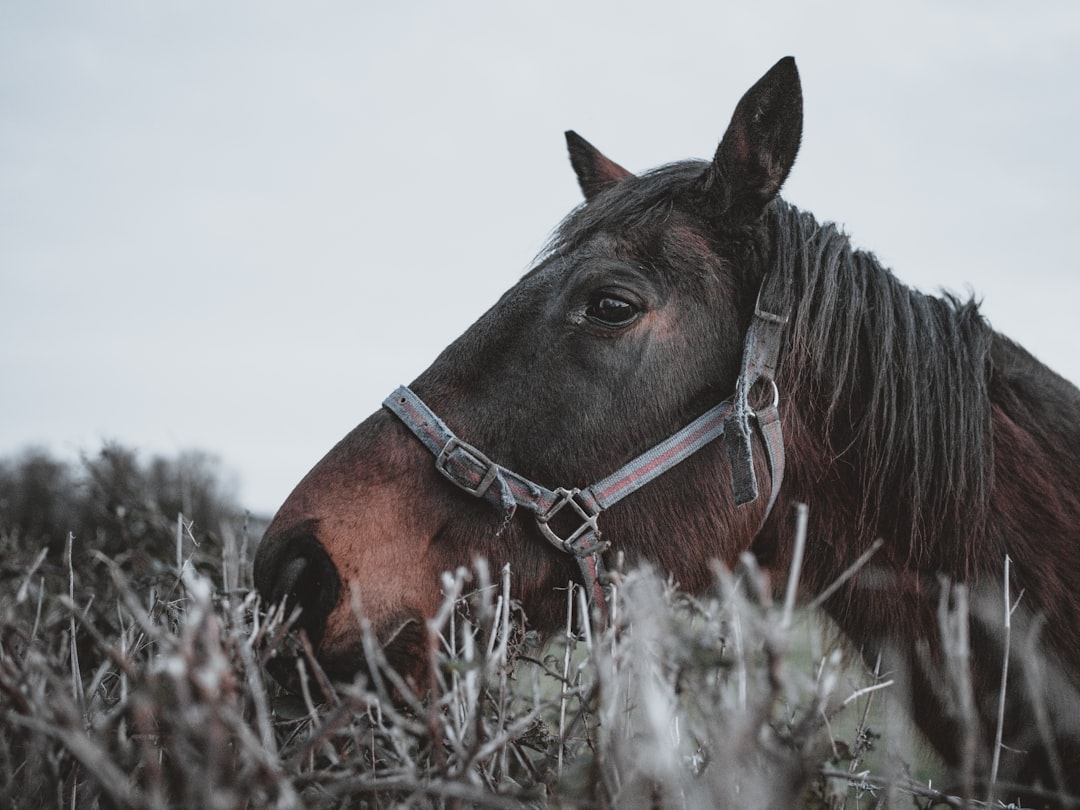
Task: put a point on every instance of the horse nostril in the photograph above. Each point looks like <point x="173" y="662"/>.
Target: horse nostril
<point x="289" y="578"/>
<point x="299" y="571"/>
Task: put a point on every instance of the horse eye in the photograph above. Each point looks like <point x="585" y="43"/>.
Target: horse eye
<point x="607" y="310"/>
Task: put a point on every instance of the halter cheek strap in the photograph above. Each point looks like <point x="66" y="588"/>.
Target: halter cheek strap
<point x="470" y="470"/>
<point x="760" y="351"/>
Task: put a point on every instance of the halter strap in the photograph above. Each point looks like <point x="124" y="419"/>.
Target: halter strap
<point x="760" y="352"/>
<point x="470" y="470"/>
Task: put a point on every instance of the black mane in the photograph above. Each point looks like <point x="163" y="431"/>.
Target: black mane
<point x="902" y="378"/>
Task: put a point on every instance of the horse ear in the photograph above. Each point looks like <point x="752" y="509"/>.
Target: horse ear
<point x="758" y="149"/>
<point x="594" y="171"/>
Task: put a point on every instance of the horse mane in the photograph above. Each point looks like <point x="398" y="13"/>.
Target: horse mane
<point x="902" y="380"/>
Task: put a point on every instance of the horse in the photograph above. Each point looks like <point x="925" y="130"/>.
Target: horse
<point x="713" y="356"/>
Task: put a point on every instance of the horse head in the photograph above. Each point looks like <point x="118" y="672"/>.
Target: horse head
<point x="630" y="325"/>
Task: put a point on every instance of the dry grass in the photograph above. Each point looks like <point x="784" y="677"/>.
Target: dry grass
<point x="152" y="691"/>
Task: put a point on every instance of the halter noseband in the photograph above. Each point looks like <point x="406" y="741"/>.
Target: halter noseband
<point x="470" y="470"/>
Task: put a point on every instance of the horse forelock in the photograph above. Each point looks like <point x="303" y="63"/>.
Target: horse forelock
<point x="637" y="207"/>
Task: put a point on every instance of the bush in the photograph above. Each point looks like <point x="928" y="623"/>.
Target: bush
<point x="113" y="504"/>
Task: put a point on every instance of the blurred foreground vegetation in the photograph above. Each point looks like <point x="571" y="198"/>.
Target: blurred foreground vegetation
<point x="134" y="673"/>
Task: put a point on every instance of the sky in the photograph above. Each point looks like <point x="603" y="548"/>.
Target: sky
<point x="236" y="226"/>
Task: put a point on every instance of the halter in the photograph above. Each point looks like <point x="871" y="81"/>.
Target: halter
<point x="469" y="469"/>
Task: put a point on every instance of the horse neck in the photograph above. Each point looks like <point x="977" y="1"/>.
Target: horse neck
<point x="1035" y="501"/>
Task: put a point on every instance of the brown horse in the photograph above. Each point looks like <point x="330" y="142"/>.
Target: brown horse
<point x="904" y="417"/>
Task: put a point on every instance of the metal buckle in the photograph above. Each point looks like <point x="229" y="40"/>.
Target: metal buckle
<point x="568" y="497"/>
<point x="491" y="469"/>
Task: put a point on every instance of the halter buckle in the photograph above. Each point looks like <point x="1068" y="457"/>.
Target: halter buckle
<point x="472" y="457"/>
<point x="563" y="498"/>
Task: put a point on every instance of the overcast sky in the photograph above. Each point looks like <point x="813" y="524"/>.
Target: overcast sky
<point x="235" y="226"/>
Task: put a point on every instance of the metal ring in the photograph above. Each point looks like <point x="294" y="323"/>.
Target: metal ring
<point x="775" y="395"/>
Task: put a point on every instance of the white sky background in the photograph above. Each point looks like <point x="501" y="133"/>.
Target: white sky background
<point x="237" y="226"/>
